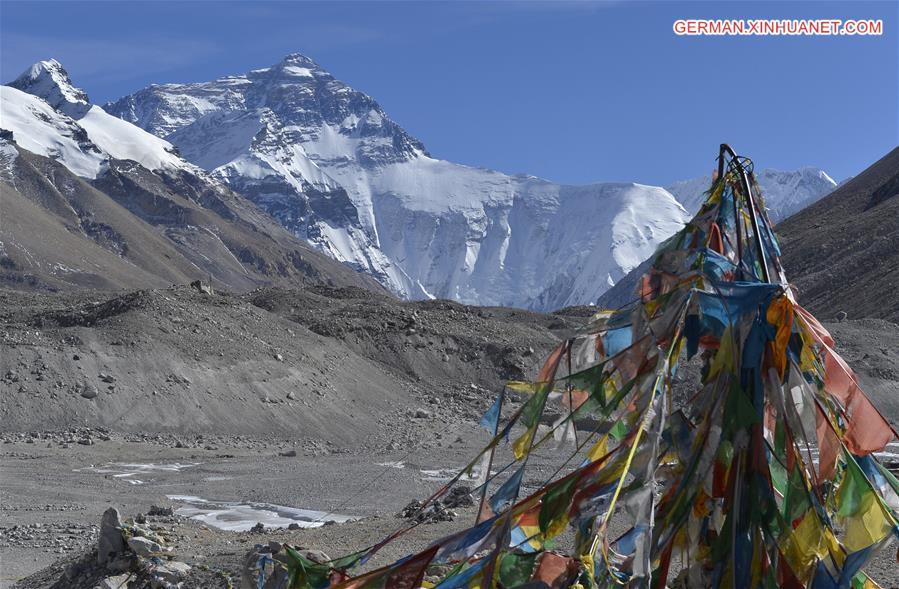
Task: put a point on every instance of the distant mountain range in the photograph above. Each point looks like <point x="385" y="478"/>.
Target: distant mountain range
<point x="335" y="171"/>
<point x="88" y="200"/>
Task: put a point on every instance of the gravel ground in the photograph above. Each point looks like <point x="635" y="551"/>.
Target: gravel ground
<point x="333" y="400"/>
<point x="54" y="497"/>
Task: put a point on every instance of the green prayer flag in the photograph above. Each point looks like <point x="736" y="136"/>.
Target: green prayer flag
<point x="516" y="568"/>
<point x="556" y="502"/>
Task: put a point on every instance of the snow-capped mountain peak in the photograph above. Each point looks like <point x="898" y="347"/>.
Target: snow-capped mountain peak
<point x="69" y="108"/>
<point x="298" y="65"/>
<point x="40" y="129"/>
<point x="784" y="192"/>
<point x="49" y="80"/>
<point x="787" y="192"/>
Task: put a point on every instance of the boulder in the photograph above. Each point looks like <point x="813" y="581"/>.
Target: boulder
<point x="171" y="572"/>
<point x="115" y="582"/>
<point x="144" y="547"/>
<point x="316" y="556"/>
<point x="111" y="542"/>
<point x="261" y="570"/>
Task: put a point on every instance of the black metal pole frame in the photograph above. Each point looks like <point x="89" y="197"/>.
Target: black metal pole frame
<point x="738" y="166"/>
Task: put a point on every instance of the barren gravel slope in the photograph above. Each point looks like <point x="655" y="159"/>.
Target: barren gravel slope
<point x="177" y="360"/>
<point x="132" y="228"/>
<point x="841" y="251"/>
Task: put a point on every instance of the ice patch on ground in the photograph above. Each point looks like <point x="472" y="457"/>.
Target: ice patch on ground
<point x="126" y="471"/>
<point x="235" y="516"/>
<point x="888" y="456"/>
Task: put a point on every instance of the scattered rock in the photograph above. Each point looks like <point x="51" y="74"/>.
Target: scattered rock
<point x="201" y="287"/>
<point x="435" y="512"/>
<point x="422" y="414"/>
<point x="459" y="496"/>
<point x="841" y="316"/>
<point x="291" y="396"/>
<point x="178" y="379"/>
<point x="89" y="391"/>
<point x="158" y="511"/>
<point x="259" y="528"/>
<point x="279" y="357"/>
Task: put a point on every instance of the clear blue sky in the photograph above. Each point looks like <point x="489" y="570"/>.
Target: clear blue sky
<point x="574" y="92"/>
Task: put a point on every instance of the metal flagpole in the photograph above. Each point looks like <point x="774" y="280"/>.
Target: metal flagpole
<point x="736" y="162"/>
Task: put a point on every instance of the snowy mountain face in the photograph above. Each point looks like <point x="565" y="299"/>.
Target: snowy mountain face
<point x="331" y="166"/>
<point x="37" y="127"/>
<point x="87" y="191"/>
<point x="49" y="82"/>
<point x="784" y="193"/>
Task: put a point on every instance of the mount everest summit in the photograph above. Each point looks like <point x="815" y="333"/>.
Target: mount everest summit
<point x="328" y="163"/>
